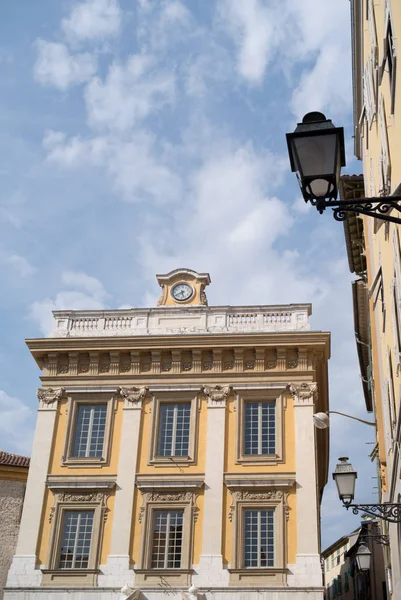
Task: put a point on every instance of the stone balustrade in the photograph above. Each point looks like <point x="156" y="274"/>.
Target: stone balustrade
<point x="181" y="320"/>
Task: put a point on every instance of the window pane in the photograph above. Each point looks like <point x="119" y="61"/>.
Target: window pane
<point x="89" y="430"/>
<point x="76" y="539"/>
<point x="260" y="428"/>
<point x="167" y="539"/>
<point x="259" y="538"/>
<point x="174" y="429"/>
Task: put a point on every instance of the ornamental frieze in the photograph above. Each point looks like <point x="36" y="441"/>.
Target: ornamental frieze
<point x="47" y="396"/>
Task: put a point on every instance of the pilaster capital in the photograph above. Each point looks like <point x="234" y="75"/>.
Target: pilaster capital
<point x="49" y="396"/>
<point x="304" y="394"/>
<point x="216" y="395"/>
<point x="133" y="396"/>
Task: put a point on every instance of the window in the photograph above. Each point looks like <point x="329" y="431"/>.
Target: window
<point x="167" y="539"/>
<point x="259" y="437"/>
<point x="260" y="428"/>
<point x="174" y="429"/>
<point x="76" y="539"/>
<point x="258" y="535"/>
<point x="259" y="538"/>
<point x="89" y="429"/>
<point x="338" y="556"/>
<point x="389" y="63"/>
<point x="77" y="520"/>
<point x="346" y="581"/>
<point x="166" y="520"/>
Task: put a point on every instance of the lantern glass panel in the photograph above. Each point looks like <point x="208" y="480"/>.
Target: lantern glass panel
<point x="346" y="485"/>
<point x="363" y="558"/>
<point x="316" y="154"/>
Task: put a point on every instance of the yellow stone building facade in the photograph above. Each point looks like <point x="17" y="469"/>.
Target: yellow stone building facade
<point x="373" y="245"/>
<point x="175" y="453"/>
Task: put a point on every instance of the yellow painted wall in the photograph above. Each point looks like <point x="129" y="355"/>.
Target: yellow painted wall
<point x="379" y="237"/>
<point x="289" y="444"/>
<point x="170" y="469"/>
<point x="56" y="468"/>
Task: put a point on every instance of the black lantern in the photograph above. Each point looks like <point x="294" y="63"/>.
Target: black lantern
<point x="317" y="153"/>
<point x="363" y="558"/>
<point x="345" y="478"/>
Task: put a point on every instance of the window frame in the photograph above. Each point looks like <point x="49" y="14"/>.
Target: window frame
<point x="174" y="397"/>
<point x="75" y="500"/>
<point x="166" y="500"/>
<point x="261" y="395"/>
<point x="250" y="499"/>
<point x="73" y="403"/>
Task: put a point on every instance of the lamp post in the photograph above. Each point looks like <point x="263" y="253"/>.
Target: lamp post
<point x="363" y="557"/>
<point x="345" y="477"/>
<point x="317" y="153"/>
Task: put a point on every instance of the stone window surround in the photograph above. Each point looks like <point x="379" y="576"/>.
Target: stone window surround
<point x="258" y="395"/>
<point x="72" y="495"/>
<point x="244" y="497"/>
<point x="75" y="399"/>
<point x="174" y="396"/>
<point x="166" y="494"/>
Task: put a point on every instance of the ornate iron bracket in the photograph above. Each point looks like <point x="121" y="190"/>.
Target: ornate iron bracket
<point x="372" y="207"/>
<point x="387" y="512"/>
<point x="377" y="538"/>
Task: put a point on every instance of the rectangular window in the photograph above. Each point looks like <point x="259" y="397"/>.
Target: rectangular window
<point x="259" y="538"/>
<point x="174" y="429"/>
<point x="167" y="539"/>
<point x="90" y="429"/>
<point x="260" y="428"/>
<point x="76" y="539"/>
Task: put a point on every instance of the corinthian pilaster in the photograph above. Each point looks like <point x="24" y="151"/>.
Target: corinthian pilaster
<point x="304" y="394"/>
<point x="133" y="396"/>
<point x="49" y="396"/>
<point x="217" y="395"/>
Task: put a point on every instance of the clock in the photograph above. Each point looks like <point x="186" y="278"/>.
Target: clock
<point x="182" y="291"/>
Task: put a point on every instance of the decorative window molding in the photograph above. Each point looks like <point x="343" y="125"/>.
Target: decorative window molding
<point x="389" y="59"/>
<point x="77" y="502"/>
<point x="155" y="503"/>
<point x="250" y="500"/>
<point x="259" y="397"/>
<point x="76" y="403"/>
<point x="369" y="95"/>
<point x="384" y="159"/>
<point x="173" y="398"/>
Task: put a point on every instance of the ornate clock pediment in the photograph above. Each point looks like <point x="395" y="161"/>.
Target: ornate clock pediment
<point x="183" y="287"/>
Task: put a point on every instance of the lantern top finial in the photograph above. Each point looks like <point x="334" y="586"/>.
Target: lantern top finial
<point x="313" y="117"/>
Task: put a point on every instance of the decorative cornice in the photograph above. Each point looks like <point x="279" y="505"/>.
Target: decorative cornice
<point x="304" y="394"/>
<point x="133" y="396"/>
<point x="180" y="483"/>
<point x="217" y="395"/>
<point x="48" y="396"/>
<point x="256" y="480"/>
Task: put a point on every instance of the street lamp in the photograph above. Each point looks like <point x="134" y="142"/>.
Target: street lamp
<point x="316" y="151"/>
<point x="345" y="477"/>
<point x="363" y="557"/>
<point x="321" y="420"/>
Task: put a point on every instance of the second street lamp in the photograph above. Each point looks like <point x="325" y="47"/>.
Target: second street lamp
<point x="345" y="477"/>
<point x="316" y="151"/>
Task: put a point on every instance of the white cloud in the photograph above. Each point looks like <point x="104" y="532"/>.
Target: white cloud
<point x="91" y="298"/>
<point x="19" y="263"/>
<point x="129" y="93"/>
<point x="13" y="209"/>
<point x="254" y="29"/>
<point x="55" y="66"/>
<point x="16" y="430"/>
<point x="93" y="19"/>
<point x="137" y="171"/>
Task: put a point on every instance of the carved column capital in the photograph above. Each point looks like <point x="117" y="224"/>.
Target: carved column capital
<point x="48" y="396"/>
<point x="216" y="395"/>
<point x="304" y="394"/>
<point x="133" y="396"/>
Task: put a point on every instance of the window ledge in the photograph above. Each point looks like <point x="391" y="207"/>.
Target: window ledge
<point x="266" y="576"/>
<point x="76" y="461"/>
<point x="256" y="459"/>
<point x="69" y="577"/>
<point x="153" y="577"/>
<point x="171" y="460"/>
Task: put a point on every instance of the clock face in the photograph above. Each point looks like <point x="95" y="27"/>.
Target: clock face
<point x="181" y="292"/>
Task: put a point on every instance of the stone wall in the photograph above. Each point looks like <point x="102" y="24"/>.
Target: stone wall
<point x="11" y="499"/>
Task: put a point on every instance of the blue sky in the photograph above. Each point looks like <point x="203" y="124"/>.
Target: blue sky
<point x="141" y="136"/>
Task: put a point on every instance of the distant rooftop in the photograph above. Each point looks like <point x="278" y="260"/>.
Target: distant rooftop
<point x="13" y="460"/>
